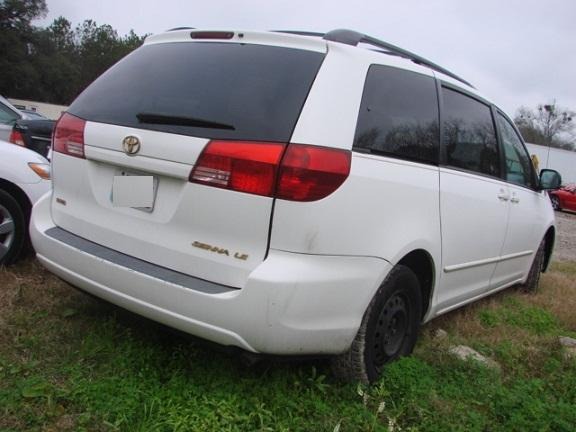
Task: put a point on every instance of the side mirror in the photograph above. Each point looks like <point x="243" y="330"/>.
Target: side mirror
<point x="550" y="179"/>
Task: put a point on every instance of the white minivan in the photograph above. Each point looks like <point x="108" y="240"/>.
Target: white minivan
<point x="291" y="194"/>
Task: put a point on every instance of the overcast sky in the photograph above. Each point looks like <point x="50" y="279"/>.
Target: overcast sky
<point x="516" y="52"/>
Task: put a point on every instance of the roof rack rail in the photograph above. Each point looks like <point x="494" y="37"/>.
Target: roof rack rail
<point x="351" y="37"/>
<point x="299" y="33"/>
<point x="180" y="28"/>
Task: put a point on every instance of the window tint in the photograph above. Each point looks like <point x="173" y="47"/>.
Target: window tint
<point x="399" y="115"/>
<point x="469" y="134"/>
<point x="518" y="163"/>
<point x="214" y="90"/>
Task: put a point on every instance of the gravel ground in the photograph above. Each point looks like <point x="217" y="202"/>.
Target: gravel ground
<point x="565" y="247"/>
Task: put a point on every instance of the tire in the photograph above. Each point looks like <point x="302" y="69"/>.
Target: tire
<point x="388" y="331"/>
<point x="13" y="229"/>
<point x="533" y="279"/>
<point x="555" y="203"/>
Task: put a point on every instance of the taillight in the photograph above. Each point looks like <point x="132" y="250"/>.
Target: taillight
<point x="16" y="138"/>
<point x="310" y="173"/>
<point x="242" y="166"/>
<point x="304" y="173"/>
<point x="69" y="136"/>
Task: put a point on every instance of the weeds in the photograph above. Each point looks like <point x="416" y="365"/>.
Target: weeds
<point x="70" y="362"/>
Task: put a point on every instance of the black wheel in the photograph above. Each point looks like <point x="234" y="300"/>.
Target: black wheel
<point x="388" y="331"/>
<point x="555" y="202"/>
<point x="13" y="229"/>
<point x="533" y="279"/>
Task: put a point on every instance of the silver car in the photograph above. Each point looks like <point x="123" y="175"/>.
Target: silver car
<point x="8" y="116"/>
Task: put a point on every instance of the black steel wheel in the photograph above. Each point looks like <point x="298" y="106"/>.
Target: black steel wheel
<point x="388" y="331"/>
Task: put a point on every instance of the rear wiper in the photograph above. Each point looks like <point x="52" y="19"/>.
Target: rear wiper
<point x="167" y="119"/>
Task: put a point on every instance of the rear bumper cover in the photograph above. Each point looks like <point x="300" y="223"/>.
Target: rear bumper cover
<point x="292" y="303"/>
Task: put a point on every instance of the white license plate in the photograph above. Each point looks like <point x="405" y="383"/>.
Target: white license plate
<point x="134" y="190"/>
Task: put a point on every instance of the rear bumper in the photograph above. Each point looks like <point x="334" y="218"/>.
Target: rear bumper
<point x="291" y="304"/>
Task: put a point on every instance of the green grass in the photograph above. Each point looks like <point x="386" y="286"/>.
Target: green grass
<point x="514" y="313"/>
<point x="69" y="362"/>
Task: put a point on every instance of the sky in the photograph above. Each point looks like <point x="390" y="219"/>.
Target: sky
<point x="515" y="52"/>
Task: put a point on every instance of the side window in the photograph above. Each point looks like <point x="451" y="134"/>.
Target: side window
<point x="399" y="115"/>
<point x="469" y="134"/>
<point x="518" y="163"/>
<point x="7" y="116"/>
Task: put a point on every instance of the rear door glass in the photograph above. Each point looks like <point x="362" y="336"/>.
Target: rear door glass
<point x="469" y="134"/>
<point x="255" y="91"/>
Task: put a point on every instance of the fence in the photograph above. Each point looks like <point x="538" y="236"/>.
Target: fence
<point x="563" y="161"/>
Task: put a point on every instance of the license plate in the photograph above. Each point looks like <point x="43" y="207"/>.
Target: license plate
<point x="134" y="190"/>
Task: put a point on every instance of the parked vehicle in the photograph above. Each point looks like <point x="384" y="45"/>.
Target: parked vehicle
<point x="291" y="194"/>
<point x="35" y="135"/>
<point x="24" y="177"/>
<point x="25" y="128"/>
<point x="8" y="116"/>
<point x="33" y="115"/>
<point x="564" y="198"/>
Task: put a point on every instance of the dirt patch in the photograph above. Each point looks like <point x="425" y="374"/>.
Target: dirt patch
<point x="27" y="289"/>
<point x="565" y="247"/>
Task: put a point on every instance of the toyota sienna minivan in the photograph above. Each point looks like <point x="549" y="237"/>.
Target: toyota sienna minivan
<point x="291" y="193"/>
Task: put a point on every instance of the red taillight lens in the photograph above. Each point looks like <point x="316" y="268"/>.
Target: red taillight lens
<point x="69" y="136"/>
<point x="16" y="138"/>
<point x="310" y="173"/>
<point x="305" y="173"/>
<point x="249" y="167"/>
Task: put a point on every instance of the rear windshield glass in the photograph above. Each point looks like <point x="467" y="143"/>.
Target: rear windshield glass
<point x="211" y="90"/>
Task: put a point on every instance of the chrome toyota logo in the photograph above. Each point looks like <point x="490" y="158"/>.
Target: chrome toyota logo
<point x="131" y="145"/>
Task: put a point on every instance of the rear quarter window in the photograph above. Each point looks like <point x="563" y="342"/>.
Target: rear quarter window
<point x="399" y="115"/>
<point x="258" y="90"/>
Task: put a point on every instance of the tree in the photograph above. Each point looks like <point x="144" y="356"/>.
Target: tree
<point x="16" y="35"/>
<point x="548" y="125"/>
<point x="55" y="54"/>
<point x="56" y="63"/>
<point x="18" y="14"/>
<point x="99" y="47"/>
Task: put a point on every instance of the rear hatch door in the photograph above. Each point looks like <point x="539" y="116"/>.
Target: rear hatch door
<point x="173" y="98"/>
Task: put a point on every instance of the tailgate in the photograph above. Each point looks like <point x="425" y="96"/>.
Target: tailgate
<point x="173" y="99"/>
<point x="211" y="233"/>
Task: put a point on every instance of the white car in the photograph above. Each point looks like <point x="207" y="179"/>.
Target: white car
<point x="292" y="194"/>
<point x="24" y="178"/>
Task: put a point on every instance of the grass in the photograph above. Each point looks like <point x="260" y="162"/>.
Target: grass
<point x="71" y="362"/>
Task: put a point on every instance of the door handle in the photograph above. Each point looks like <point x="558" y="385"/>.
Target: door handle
<point x="514" y="199"/>
<point x="502" y="196"/>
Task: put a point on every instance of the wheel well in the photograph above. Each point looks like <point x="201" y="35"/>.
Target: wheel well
<point x="549" y="246"/>
<point x="421" y="263"/>
<point x="18" y="194"/>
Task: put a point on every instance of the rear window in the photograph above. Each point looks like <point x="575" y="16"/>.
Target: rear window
<point x="235" y="91"/>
